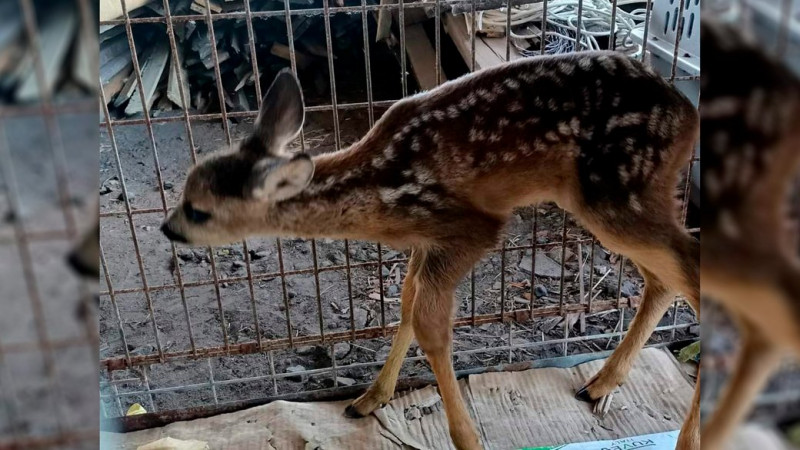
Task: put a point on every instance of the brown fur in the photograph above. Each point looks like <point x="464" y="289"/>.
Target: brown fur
<point x="751" y="137"/>
<point x="441" y="172"/>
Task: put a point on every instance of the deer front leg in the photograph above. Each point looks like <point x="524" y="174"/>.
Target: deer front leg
<point x="433" y="328"/>
<point x="382" y="388"/>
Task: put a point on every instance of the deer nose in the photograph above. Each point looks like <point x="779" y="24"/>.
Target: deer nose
<point x="171" y="235"/>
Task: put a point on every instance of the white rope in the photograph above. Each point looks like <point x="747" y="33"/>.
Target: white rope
<point x="562" y="21"/>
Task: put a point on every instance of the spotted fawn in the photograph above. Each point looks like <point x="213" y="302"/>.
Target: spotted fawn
<point x="750" y="114"/>
<point x="440" y="173"/>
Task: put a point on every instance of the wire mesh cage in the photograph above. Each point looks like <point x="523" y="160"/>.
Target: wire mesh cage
<point x="47" y="351"/>
<point x="191" y="331"/>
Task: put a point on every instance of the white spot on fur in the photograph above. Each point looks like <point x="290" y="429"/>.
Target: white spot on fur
<point x="515" y="106"/>
<point x="476" y="135"/>
<point x="509" y="156"/>
<point x="512" y="83"/>
<point x="635" y="204"/>
<point x="624" y="175"/>
<point x="452" y="112"/>
<point x="728" y="224"/>
<point x="415" y="145"/>
<point x="503" y="122"/>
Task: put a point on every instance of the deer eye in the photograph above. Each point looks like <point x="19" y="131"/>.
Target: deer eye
<point x="195" y="215"/>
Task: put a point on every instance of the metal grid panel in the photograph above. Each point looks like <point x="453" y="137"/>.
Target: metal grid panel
<point x="35" y="375"/>
<point x="131" y="371"/>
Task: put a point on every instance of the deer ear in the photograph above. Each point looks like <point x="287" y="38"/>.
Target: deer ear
<point x="274" y="182"/>
<point x="281" y="116"/>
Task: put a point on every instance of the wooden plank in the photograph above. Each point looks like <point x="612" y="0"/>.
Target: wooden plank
<point x="457" y="29"/>
<point x="173" y="88"/>
<point x="56" y="34"/>
<point x="116" y="83"/>
<point x="422" y="56"/>
<point x="282" y="51"/>
<point x="152" y="69"/>
<point x="112" y="9"/>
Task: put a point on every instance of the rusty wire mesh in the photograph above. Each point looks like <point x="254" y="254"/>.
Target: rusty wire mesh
<point x="134" y="371"/>
<point x="46" y="352"/>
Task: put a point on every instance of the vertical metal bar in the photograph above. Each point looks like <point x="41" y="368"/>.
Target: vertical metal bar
<point x="272" y="372"/>
<point x="131" y="225"/>
<point x="367" y="63"/>
<point x="286" y="304"/>
<point x="578" y="46"/>
<point x="612" y="41"/>
<point x="437" y="23"/>
<point x="316" y="285"/>
<point x="380" y="288"/>
<point x="646" y="34"/>
<point x="686" y="192"/>
<point x="224" y="111"/>
<point x="253" y="57"/>
<point x="472" y="294"/>
<point x="335" y="367"/>
<point x="619" y="298"/>
<point x="619" y="281"/>
<point x="503" y="281"/>
<point x="402" y="25"/>
<point x="563" y="262"/>
<point x="211" y="382"/>
<point x="678" y="34"/>
<point x="116" y="394"/>
<point x="329" y="49"/>
<point x="544" y="27"/>
<point x="534" y="231"/>
<point x="674" y="319"/>
<point x="349" y="290"/>
<point x="472" y="50"/>
<point x="146" y="382"/>
<point x="510" y="342"/>
<point x="591" y="277"/>
<point x="116" y="307"/>
<point x="177" y="63"/>
<point x="245" y="248"/>
<point x="508" y="30"/>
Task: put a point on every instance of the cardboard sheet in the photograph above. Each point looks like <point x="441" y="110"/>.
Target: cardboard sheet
<point x="512" y="409"/>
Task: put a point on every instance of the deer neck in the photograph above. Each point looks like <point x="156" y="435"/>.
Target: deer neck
<point x="338" y="203"/>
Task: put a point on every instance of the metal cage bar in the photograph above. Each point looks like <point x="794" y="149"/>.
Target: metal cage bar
<point x="587" y="303"/>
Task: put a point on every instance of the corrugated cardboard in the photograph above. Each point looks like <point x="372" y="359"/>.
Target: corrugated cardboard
<point x="512" y="409"/>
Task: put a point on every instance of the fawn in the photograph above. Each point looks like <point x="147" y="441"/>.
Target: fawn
<point x="84" y="257"/>
<point x="441" y="172"/>
<point x="750" y="114"/>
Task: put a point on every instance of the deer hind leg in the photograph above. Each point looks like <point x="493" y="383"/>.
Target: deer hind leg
<point x="757" y="359"/>
<point x="655" y="301"/>
<point x="382" y="389"/>
<point x="669" y="260"/>
<point x="433" y="327"/>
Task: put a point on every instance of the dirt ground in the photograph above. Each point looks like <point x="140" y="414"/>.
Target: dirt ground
<point x="354" y="361"/>
<point x="31" y="402"/>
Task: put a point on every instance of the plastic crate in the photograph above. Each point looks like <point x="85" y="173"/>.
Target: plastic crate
<point x="661" y="37"/>
<point x="663" y="32"/>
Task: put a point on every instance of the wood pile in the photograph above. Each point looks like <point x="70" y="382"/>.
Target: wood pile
<point x="68" y="53"/>
<point x="196" y="60"/>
